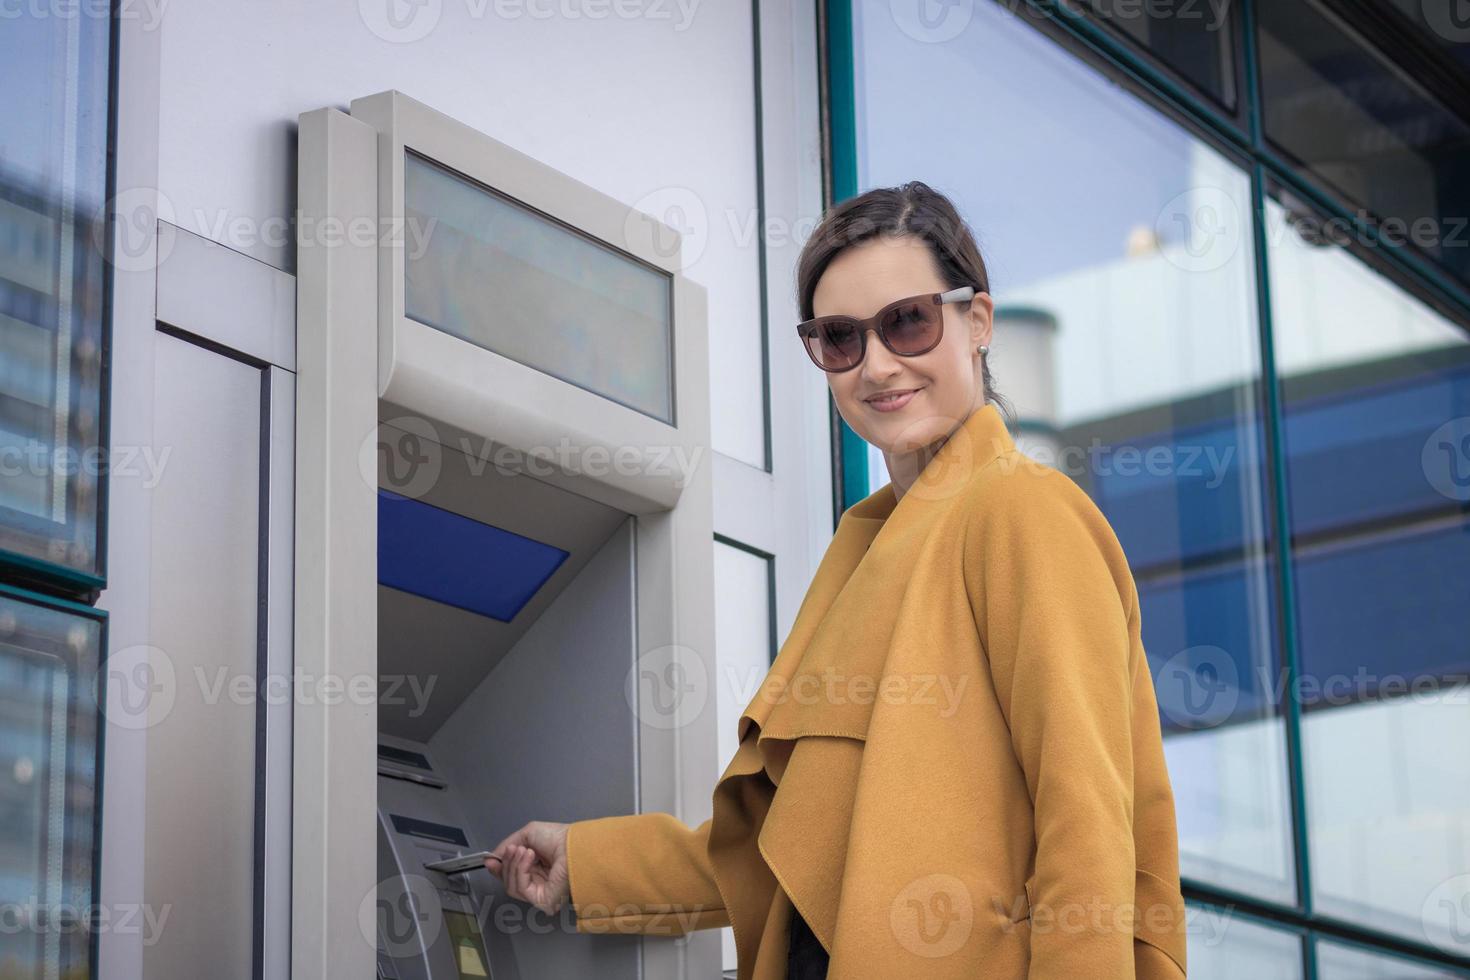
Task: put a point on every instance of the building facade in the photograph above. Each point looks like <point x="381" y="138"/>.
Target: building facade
<point x="1229" y="249"/>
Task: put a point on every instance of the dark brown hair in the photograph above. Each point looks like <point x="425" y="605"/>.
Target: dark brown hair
<point x="913" y="209"/>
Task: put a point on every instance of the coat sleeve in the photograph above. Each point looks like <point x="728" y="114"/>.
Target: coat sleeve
<point x="644" y="873"/>
<point x="1044" y="573"/>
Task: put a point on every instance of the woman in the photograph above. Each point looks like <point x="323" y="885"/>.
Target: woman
<point x="954" y="767"/>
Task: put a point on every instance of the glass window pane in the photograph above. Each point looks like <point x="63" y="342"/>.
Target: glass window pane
<point x="53" y="178"/>
<point x="48" y="758"/>
<point x="1376" y="406"/>
<point x="1441" y="23"/>
<point x="1338" y="961"/>
<point x="494" y="272"/>
<point x="1196" y="40"/>
<point x="1224" y="945"/>
<point x="1365" y="129"/>
<point x="1126" y="338"/>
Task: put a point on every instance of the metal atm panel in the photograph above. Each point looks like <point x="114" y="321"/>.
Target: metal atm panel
<point x="428" y="924"/>
<point x="622" y="480"/>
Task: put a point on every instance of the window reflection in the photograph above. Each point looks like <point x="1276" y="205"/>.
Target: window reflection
<point x="1362" y="126"/>
<point x="48" y="756"/>
<point x="1126" y="337"/>
<point x="1338" y="961"/>
<point x="53" y="71"/>
<point x="1376" y="405"/>
<point x="1195" y="40"/>
<point x="1225" y="945"/>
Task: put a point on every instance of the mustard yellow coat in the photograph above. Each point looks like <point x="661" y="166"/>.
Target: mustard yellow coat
<point x="954" y="767"/>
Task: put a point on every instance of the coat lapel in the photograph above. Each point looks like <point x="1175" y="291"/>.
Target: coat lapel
<point x="807" y="724"/>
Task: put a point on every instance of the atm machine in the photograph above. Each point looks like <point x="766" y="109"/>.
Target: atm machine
<point x="504" y="515"/>
<point x="428" y="916"/>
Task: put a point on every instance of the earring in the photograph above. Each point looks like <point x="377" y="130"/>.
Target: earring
<point x="983" y="349"/>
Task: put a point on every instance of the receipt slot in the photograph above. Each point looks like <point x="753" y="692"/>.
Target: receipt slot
<point x="504" y="519"/>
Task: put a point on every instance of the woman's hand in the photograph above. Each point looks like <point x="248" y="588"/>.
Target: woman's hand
<point x="532" y="863"/>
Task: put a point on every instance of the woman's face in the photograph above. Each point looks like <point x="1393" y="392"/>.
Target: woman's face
<point x="860" y="281"/>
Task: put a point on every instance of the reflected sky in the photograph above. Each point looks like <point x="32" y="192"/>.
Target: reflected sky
<point x="1009" y="123"/>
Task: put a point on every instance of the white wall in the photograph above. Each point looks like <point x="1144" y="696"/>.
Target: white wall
<point x="651" y="101"/>
<point x="655" y="108"/>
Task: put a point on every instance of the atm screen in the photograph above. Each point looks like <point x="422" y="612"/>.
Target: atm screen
<point x="469" y="954"/>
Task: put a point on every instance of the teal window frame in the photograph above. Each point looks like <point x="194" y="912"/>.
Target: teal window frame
<point x="94" y="690"/>
<point x="28" y="571"/>
<point x="50" y="585"/>
<point x="1243" y="136"/>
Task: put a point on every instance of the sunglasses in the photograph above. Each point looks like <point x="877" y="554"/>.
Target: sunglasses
<point x="908" y="327"/>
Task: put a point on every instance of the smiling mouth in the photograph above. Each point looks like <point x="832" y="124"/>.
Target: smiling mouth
<point x="891" y="397"/>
